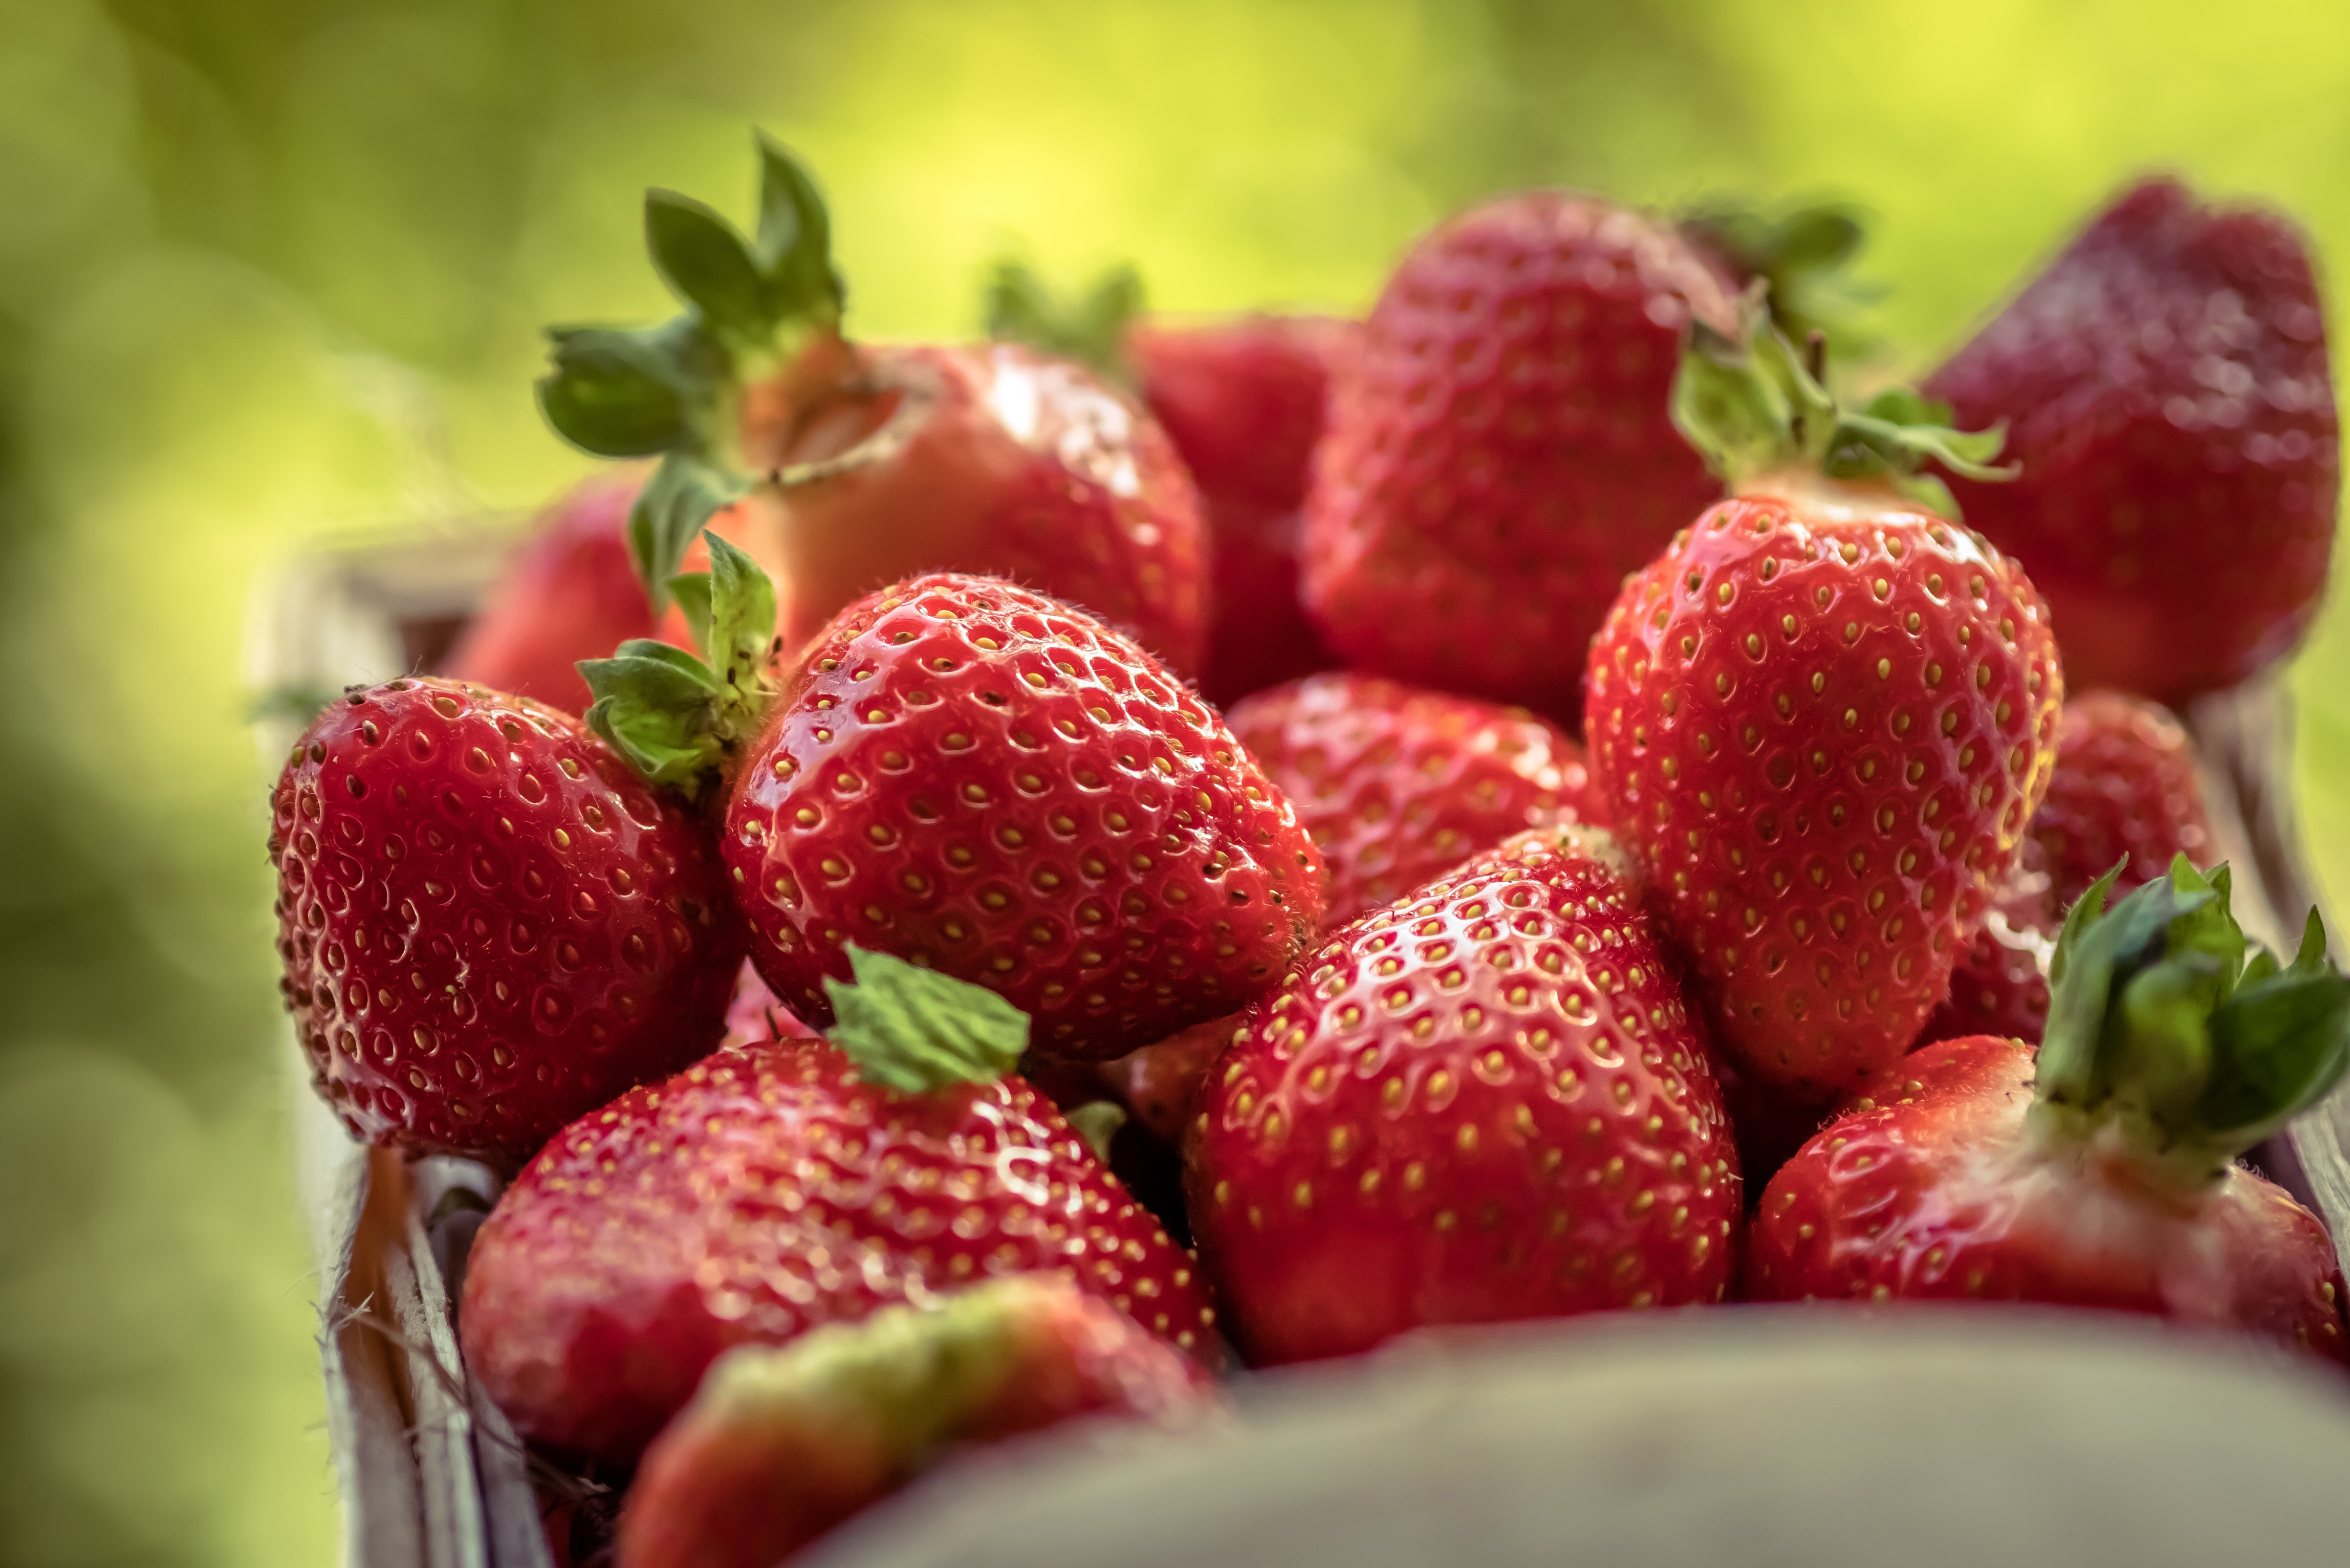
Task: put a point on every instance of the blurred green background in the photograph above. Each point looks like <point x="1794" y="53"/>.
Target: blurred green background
<point x="270" y="265"/>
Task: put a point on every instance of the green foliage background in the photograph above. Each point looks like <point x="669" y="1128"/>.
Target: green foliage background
<point x="270" y="265"/>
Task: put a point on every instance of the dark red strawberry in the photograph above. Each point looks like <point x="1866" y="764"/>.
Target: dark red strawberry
<point x="781" y="1444"/>
<point x="776" y="1187"/>
<point x="2123" y="784"/>
<point x="489" y="925"/>
<point x="2105" y="1176"/>
<point x="1823" y="718"/>
<point x="2000" y="984"/>
<point x="886" y="461"/>
<point x="1500" y="452"/>
<point x="569" y="593"/>
<point x="2165" y="383"/>
<point x="1487" y="1102"/>
<point x="1243" y="400"/>
<point x="1398" y="784"/>
<point x="991" y="784"/>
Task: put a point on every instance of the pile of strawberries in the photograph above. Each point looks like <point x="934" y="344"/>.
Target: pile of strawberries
<point x="1531" y="804"/>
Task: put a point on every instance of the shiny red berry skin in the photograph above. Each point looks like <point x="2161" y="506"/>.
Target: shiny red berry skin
<point x="903" y="459"/>
<point x="2165" y="387"/>
<point x="1821" y="723"/>
<point x="2124" y="784"/>
<point x="2000" y="984"/>
<point x="1398" y="784"/>
<point x="1243" y="402"/>
<point x="1931" y="1187"/>
<point x="1487" y="1102"/>
<point x="1499" y="452"/>
<point x="489" y="925"/>
<point x="763" y="1191"/>
<point x="982" y="780"/>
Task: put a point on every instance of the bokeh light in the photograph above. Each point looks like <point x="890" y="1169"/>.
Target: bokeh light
<point x="272" y="267"/>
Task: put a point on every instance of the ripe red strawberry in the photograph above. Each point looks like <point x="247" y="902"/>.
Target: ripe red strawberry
<point x="995" y="785"/>
<point x="1486" y="1104"/>
<point x="1243" y="400"/>
<point x="773" y="1187"/>
<point x="1499" y="452"/>
<point x="489" y="924"/>
<point x="1398" y="784"/>
<point x="2000" y="984"/>
<point x="1821" y="719"/>
<point x="887" y="461"/>
<point x="568" y="594"/>
<point x="780" y="1445"/>
<point x="2123" y="784"/>
<point x="2105" y="1178"/>
<point x="2165" y="383"/>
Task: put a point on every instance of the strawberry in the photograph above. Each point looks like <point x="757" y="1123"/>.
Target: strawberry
<point x="986" y="782"/>
<point x="489" y="925"/>
<point x="2103" y="1175"/>
<point x="1161" y="1083"/>
<point x="2166" y="385"/>
<point x="1485" y="1104"/>
<point x="1821" y="718"/>
<point x="2000" y="984"/>
<point x="1498" y="451"/>
<point x="568" y="594"/>
<point x="2123" y="784"/>
<point x="1243" y="402"/>
<point x="874" y="463"/>
<point x="778" y="1186"/>
<point x="1397" y="783"/>
<point x="781" y="1444"/>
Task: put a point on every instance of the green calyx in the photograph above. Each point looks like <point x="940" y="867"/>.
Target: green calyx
<point x="1089" y="327"/>
<point x="2177" y="1037"/>
<point x="673" y="390"/>
<point x="679" y="720"/>
<point x="1803" y="257"/>
<point x="1758" y="405"/>
<point x="917" y="1030"/>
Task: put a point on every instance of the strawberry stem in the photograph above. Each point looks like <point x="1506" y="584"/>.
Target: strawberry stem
<point x="916" y="1031"/>
<point x="2177" y="1037"/>
<point x="1756" y="406"/>
<point x="1804" y="257"/>
<point x="674" y="389"/>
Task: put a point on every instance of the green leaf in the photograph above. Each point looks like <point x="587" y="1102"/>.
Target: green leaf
<point x="613" y="393"/>
<point x="917" y="1030"/>
<point x="684" y="494"/>
<point x="2166" y="1025"/>
<point x="706" y="265"/>
<point x="1091" y="328"/>
<point x="692" y="592"/>
<point x="1803" y="257"/>
<point x="794" y="248"/>
<point x="742" y="610"/>
<point x="653" y="705"/>
<point x="1738" y="417"/>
